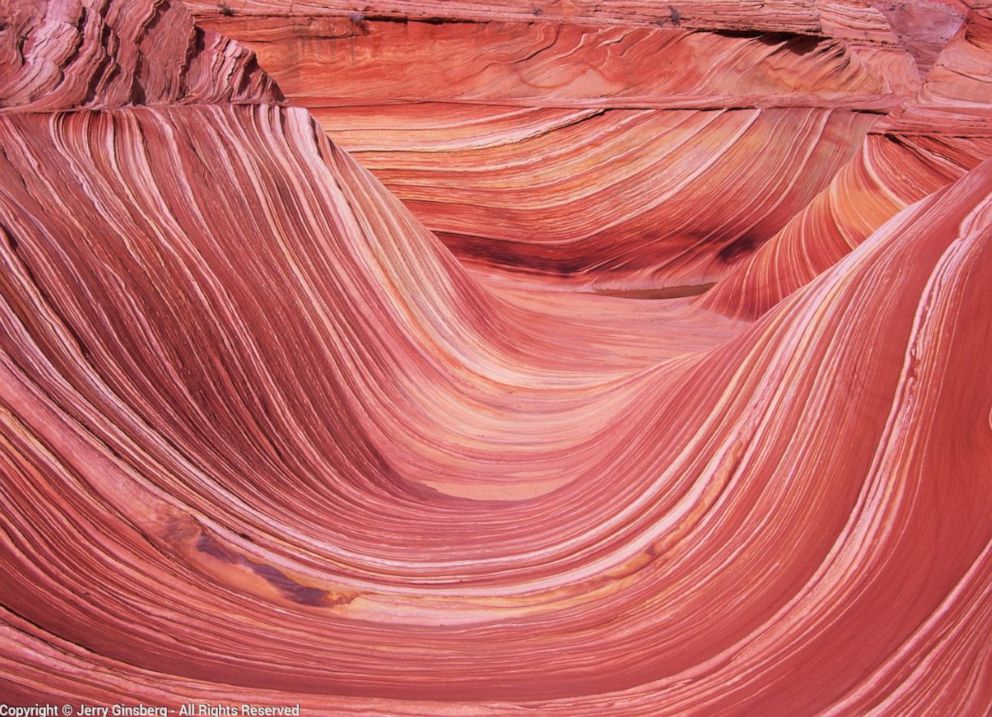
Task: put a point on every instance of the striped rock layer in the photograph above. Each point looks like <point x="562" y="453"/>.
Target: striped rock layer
<point x="944" y="132"/>
<point x="535" y="141"/>
<point x="265" y="439"/>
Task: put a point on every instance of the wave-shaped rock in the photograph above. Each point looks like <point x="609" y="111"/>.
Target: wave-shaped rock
<point x="265" y="440"/>
<point x="919" y="148"/>
<point x="536" y="141"/>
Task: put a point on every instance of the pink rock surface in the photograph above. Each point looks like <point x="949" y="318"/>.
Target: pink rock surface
<point x="944" y="132"/>
<point x="99" y="55"/>
<point x="534" y="141"/>
<point x="923" y="26"/>
<point x="264" y="439"/>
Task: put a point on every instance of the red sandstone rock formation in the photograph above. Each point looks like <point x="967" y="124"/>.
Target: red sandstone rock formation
<point x="264" y="438"/>
<point x="99" y="55"/>
<point x="571" y="141"/>
<point x="923" y="26"/>
<point x="945" y="132"/>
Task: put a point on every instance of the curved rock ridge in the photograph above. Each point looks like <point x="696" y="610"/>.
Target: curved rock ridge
<point x="263" y="439"/>
<point x="943" y="133"/>
<point x="579" y="196"/>
<point x="578" y="152"/>
<point x="961" y="79"/>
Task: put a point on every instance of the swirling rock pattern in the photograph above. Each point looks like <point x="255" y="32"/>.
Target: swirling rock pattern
<point x="919" y="148"/>
<point x="265" y="439"/>
<point x="98" y="55"/>
<point x="533" y="141"/>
